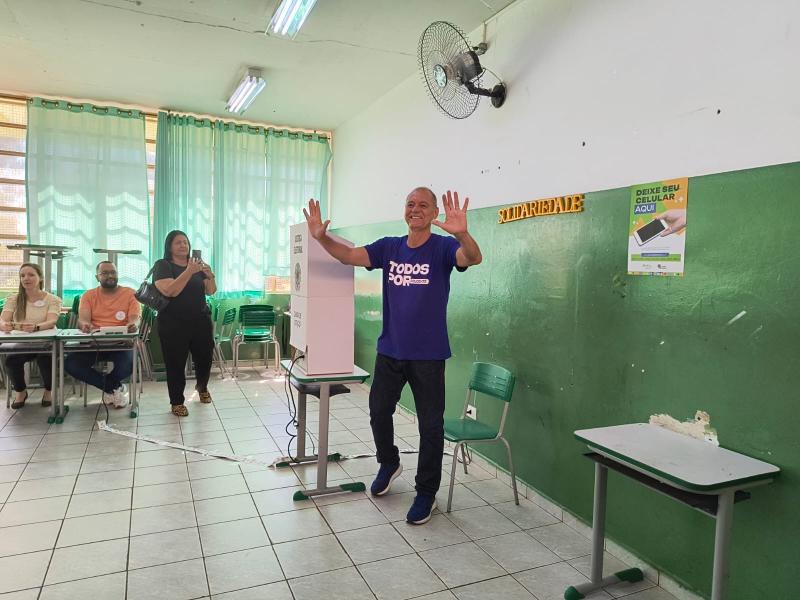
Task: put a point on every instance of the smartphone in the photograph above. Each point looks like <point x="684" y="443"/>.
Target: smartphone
<point x="649" y="231"/>
<point x="197" y="254"/>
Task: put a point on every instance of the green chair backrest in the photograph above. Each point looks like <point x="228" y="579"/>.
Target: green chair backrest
<point x="492" y="380"/>
<point x="76" y="304"/>
<point x="247" y="307"/>
<point x="228" y="317"/>
<point x="260" y="317"/>
<point x="63" y="321"/>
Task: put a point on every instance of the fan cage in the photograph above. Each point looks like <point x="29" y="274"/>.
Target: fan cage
<point x="440" y="44"/>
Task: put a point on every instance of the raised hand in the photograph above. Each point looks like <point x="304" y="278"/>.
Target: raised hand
<point x="455" y="216"/>
<point x="194" y="266"/>
<point x="316" y="227"/>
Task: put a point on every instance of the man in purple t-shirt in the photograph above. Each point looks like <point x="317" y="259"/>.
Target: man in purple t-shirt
<point x="413" y="345"/>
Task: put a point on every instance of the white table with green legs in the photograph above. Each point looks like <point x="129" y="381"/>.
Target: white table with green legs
<point x="35" y="342"/>
<point x="703" y="476"/>
<point x="324" y="381"/>
<point x="73" y="340"/>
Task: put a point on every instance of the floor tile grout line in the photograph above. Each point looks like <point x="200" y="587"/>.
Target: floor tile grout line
<point x="61" y="527"/>
<point x="260" y="516"/>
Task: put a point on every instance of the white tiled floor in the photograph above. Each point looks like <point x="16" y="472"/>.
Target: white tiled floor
<point x="89" y="514"/>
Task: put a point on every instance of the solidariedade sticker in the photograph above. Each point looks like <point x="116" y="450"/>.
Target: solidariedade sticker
<point x="120" y="315"/>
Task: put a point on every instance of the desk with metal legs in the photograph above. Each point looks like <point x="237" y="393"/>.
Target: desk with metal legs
<point x="703" y="476"/>
<point x="73" y="340"/>
<point x="325" y="382"/>
<point x="36" y="342"/>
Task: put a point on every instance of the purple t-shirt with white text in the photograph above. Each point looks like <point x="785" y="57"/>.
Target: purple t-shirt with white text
<point x="416" y="287"/>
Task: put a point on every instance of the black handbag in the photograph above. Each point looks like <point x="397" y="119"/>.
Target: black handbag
<point x="149" y="295"/>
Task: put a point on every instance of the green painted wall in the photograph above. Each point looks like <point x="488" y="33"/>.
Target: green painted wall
<point x="593" y="346"/>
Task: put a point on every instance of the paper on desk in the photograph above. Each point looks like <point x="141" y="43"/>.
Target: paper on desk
<point x="20" y="332"/>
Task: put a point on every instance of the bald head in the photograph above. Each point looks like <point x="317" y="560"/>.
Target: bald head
<point x="423" y="190"/>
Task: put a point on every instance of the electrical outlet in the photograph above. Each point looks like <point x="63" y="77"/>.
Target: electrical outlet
<point x="472" y="411"/>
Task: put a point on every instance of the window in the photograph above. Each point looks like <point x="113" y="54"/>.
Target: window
<point x="13" y="222"/>
<point x="13" y="219"/>
<point x="13" y="216"/>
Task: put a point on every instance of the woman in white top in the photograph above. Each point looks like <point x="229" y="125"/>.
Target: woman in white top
<point x="31" y="309"/>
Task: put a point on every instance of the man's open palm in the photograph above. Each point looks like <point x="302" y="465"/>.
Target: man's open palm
<point x="316" y="227"/>
<point x="455" y="216"/>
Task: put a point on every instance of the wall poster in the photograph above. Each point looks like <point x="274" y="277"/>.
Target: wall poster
<point x="657" y="228"/>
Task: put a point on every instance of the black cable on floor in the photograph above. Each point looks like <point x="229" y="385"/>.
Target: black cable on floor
<point x="287" y="387"/>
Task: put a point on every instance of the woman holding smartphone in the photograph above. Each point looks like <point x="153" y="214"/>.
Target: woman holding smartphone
<point x="185" y="325"/>
<point x="30" y="309"/>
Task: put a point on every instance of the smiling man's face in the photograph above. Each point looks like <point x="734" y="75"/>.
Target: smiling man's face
<point x="421" y="209"/>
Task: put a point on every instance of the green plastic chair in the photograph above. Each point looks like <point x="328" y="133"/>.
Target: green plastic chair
<point x="491" y="380"/>
<point x="72" y="320"/>
<point x="63" y="321"/>
<point x="143" y="342"/>
<point x="256" y="326"/>
<point x="225" y="335"/>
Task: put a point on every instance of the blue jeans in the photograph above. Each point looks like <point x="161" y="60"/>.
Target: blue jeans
<point x="426" y="378"/>
<point x="79" y="365"/>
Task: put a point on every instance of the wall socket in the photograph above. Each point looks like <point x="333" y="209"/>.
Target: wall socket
<point x="472" y="412"/>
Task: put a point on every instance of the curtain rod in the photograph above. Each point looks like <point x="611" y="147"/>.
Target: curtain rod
<point x="154" y="115"/>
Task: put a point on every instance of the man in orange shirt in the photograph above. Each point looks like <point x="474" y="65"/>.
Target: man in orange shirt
<point x="107" y="305"/>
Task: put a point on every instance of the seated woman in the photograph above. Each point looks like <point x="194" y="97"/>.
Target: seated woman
<point x="31" y="309"/>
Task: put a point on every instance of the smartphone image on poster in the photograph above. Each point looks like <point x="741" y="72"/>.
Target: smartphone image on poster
<point x="649" y="231"/>
<point x="197" y="254"/>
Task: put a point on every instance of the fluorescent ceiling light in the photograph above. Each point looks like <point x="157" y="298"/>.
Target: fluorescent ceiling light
<point x="249" y="87"/>
<point x="289" y="17"/>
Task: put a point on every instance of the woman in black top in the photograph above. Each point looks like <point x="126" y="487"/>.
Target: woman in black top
<point x="185" y="324"/>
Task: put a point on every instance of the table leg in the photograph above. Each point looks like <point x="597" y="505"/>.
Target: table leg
<point x="60" y="278"/>
<point x="599" y="521"/>
<point x="722" y="541"/>
<point x="302" y="457"/>
<point x="324" y="424"/>
<point x="134" y="383"/>
<point x="597" y="581"/>
<point x="56" y="390"/>
<point x="301" y="425"/>
<point x="322" y="488"/>
<point x="48" y="266"/>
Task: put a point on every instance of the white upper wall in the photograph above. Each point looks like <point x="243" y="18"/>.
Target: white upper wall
<point x="654" y="89"/>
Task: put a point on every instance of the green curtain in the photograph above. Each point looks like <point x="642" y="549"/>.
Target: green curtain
<point x="86" y="175"/>
<point x="297" y="170"/>
<point x="241" y="181"/>
<point x="184" y="182"/>
<point x="239" y="210"/>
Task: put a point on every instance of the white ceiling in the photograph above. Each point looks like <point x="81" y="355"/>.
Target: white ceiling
<point x="190" y="54"/>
